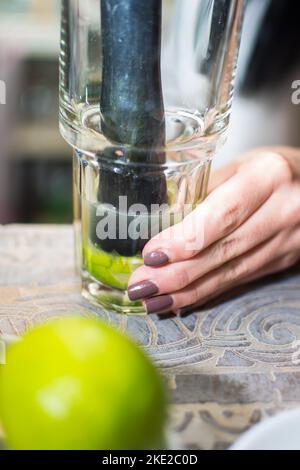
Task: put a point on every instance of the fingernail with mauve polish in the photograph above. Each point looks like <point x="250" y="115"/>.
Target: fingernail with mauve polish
<point x="158" y="304"/>
<point x="156" y="258"/>
<point x="141" y="290"/>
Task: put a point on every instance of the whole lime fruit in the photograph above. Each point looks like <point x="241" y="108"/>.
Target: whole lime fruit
<point x="77" y="383"/>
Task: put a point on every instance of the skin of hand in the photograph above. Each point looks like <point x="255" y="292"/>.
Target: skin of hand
<point x="248" y="227"/>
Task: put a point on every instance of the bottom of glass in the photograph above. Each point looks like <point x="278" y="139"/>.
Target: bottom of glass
<point x="104" y="243"/>
<point x="109" y="298"/>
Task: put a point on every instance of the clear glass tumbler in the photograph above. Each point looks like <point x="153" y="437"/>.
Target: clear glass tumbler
<point x="145" y="97"/>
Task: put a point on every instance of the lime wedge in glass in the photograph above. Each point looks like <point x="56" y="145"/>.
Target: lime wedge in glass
<point x="111" y="269"/>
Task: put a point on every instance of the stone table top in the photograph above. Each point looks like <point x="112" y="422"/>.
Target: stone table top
<point x="229" y="365"/>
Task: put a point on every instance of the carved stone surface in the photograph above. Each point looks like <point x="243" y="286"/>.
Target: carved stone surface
<point x="228" y="366"/>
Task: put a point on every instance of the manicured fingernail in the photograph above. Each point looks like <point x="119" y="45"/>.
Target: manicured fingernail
<point x="141" y="290"/>
<point x="158" y="304"/>
<point x="156" y="258"/>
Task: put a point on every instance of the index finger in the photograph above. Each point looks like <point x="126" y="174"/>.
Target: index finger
<point x="225" y="209"/>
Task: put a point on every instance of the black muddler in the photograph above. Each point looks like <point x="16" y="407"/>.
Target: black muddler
<point x="217" y="37"/>
<point x="132" y="110"/>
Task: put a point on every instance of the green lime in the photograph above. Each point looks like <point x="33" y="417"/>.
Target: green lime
<point x="110" y="268"/>
<point x="76" y="383"/>
<point x="172" y="192"/>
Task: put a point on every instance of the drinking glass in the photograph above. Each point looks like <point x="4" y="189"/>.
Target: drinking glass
<point x="145" y="97"/>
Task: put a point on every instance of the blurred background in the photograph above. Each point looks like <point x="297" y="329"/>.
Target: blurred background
<point x="35" y="163"/>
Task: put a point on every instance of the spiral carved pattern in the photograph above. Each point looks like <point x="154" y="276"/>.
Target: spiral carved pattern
<point x="229" y="365"/>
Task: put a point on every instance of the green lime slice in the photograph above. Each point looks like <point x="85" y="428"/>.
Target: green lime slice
<point x="111" y="269"/>
<point x="172" y="192"/>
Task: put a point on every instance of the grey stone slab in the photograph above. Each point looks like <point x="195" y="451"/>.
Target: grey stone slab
<point x="230" y="364"/>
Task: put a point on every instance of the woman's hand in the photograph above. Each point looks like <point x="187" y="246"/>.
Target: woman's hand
<point x="247" y="228"/>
